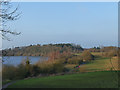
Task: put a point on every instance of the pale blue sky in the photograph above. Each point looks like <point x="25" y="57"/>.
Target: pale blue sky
<point x="88" y="24"/>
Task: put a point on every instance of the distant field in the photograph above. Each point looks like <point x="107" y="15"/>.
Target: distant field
<point x="99" y="64"/>
<point x="81" y="80"/>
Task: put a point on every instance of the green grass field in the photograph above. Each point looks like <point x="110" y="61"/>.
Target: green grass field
<point x="82" y="80"/>
<point x="99" y="64"/>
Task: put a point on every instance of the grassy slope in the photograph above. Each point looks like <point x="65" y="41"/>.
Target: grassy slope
<point x="99" y="64"/>
<point x="83" y="80"/>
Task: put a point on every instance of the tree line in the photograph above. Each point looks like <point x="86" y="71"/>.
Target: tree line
<point x="46" y="50"/>
<point x="42" y="50"/>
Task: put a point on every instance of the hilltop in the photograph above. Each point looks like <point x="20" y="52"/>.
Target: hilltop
<point x="42" y="50"/>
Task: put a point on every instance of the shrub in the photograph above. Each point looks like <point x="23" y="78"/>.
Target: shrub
<point x="50" y="66"/>
<point x="35" y="70"/>
<point x="75" y="60"/>
<point x="21" y="72"/>
<point x="8" y="72"/>
<point x="87" y="56"/>
<point x="45" y="66"/>
<point x="111" y="53"/>
<point x="58" y="67"/>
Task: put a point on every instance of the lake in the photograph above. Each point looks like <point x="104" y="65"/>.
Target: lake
<point x="15" y="60"/>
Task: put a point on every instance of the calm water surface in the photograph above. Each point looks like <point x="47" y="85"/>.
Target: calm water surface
<point x="15" y="60"/>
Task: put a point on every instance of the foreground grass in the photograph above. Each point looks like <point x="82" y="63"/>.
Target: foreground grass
<point x="82" y="80"/>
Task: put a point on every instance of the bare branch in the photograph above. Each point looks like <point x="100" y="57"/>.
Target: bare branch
<point x="6" y="16"/>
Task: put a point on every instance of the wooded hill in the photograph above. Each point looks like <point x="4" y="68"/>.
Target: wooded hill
<point x="42" y="50"/>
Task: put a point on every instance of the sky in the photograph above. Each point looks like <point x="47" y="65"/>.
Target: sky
<point x="88" y="24"/>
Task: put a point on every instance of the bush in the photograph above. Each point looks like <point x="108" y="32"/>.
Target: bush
<point x="35" y="70"/>
<point x="25" y="69"/>
<point x="8" y="72"/>
<point x="21" y="72"/>
<point x="75" y="60"/>
<point x="45" y="66"/>
<point x="58" y="67"/>
<point x="87" y="56"/>
<point x="111" y="53"/>
<point x="50" y="66"/>
<point x="66" y="69"/>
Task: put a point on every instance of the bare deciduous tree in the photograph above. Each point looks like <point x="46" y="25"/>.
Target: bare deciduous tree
<point x="7" y="15"/>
